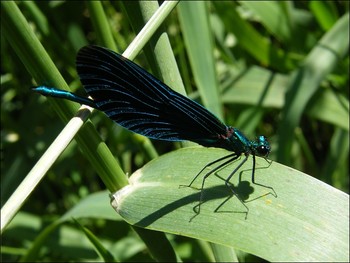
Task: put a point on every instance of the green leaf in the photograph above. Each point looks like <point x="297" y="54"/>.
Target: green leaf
<point x="325" y="13"/>
<point x="194" y="21"/>
<point x="305" y="81"/>
<point x="101" y="25"/>
<point x="251" y="40"/>
<point x="330" y="107"/>
<point x="308" y="220"/>
<point x="99" y="247"/>
<point x="257" y="86"/>
<point x="275" y="16"/>
<point x="96" y="205"/>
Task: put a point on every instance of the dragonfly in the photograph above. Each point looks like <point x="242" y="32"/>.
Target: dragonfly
<point x="141" y="103"/>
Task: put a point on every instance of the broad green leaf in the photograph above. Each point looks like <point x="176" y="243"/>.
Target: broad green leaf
<point x="257" y="86"/>
<point x="309" y="220"/>
<point x="96" y="205"/>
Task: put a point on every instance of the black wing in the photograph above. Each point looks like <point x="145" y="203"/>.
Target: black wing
<point x="138" y="101"/>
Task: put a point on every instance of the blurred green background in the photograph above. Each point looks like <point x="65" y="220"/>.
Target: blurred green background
<point x="272" y="77"/>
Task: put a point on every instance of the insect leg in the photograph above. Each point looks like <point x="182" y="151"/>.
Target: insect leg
<point x="232" y="158"/>
<point x="253" y="179"/>
<point x="211" y="163"/>
<point x="228" y="184"/>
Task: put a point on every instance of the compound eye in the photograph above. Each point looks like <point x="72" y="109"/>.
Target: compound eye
<point x="263" y="150"/>
<point x="262" y="146"/>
